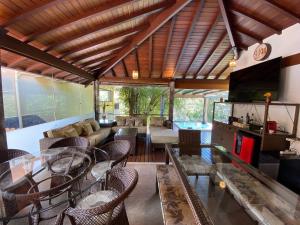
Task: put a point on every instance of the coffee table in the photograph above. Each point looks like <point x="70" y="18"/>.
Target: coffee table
<point x="128" y="134"/>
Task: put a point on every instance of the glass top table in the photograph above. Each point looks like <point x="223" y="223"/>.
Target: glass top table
<point x="21" y="174"/>
<point x="223" y="190"/>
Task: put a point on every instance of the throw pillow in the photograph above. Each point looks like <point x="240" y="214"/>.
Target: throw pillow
<point x="78" y="127"/>
<point x="129" y="122"/>
<point x="95" y="125"/>
<point x="138" y="122"/>
<point x="157" y="121"/>
<point x="87" y="129"/>
<point x="120" y="120"/>
<point x="71" y="132"/>
<point x="57" y="133"/>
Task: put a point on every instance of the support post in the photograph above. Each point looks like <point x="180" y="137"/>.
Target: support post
<point x="3" y="141"/>
<point x="162" y="105"/>
<point x="171" y="100"/>
<point x="96" y="100"/>
<point x="205" y="108"/>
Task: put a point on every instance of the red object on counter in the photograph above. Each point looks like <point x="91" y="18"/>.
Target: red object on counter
<point x="243" y="147"/>
<point x="271" y="126"/>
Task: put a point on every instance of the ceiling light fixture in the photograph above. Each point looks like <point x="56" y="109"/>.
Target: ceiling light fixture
<point x="135" y="75"/>
<point x="232" y="63"/>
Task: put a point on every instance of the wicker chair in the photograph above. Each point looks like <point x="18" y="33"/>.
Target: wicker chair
<point x="11" y="154"/>
<point x="121" y="182"/>
<point x="71" y="141"/>
<point x="189" y="141"/>
<point x="12" y="206"/>
<point x="112" y="154"/>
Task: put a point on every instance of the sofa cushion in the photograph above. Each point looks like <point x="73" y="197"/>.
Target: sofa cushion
<point x="78" y="127"/>
<point x="71" y="132"/>
<point x="98" y="136"/>
<point x="87" y="129"/>
<point x="95" y="125"/>
<point x="60" y="132"/>
<point x="121" y="120"/>
<point x="163" y="135"/>
<point x="129" y="122"/>
<point x="157" y="121"/>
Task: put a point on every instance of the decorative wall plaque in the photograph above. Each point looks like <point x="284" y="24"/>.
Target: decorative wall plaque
<point x="262" y="52"/>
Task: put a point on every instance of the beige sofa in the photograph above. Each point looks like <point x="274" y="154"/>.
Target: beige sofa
<point x="138" y="122"/>
<point x="160" y="132"/>
<point x="89" y="129"/>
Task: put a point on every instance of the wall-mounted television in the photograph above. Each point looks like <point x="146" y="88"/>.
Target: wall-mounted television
<point x="250" y="84"/>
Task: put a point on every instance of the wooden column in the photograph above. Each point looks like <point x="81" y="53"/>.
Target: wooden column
<point x="171" y="100"/>
<point x="3" y="142"/>
<point x="96" y="100"/>
<point x="162" y="105"/>
<point x="205" y="108"/>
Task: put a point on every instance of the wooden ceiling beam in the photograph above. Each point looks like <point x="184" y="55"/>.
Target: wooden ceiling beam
<point x="283" y="10"/>
<point x="211" y="54"/>
<point x="243" y="13"/>
<point x="206" y="38"/>
<point x="100" y="59"/>
<point x="196" y="16"/>
<point x="199" y="92"/>
<point x="49" y="70"/>
<point x="17" y="61"/>
<point x="187" y="92"/>
<point x="248" y="34"/>
<point x="101" y="39"/>
<point x="129" y="80"/>
<point x="170" y="34"/>
<point x="156" y="21"/>
<point x="97" y="67"/>
<point x="97" y="52"/>
<point x="228" y="26"/>
<point x="118" y="20"/>
<point x="25" y="14"/>
<point x="137" y="61"/>
<point x="221" y="58"/>
<point x="221" y="72"/>
<point x="113" y="72"/>
<point x="34" y="67"/>
<point x="79" y="17"/>
<point x="125" y="68"/>
<point x="150" y="55"/>
<point x="201" y="84"/>
<point x="13" y="45"/>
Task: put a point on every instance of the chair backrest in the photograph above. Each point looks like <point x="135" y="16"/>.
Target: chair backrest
<point x="71" y="141"/>
<point x="118" y="150"/>
<point x="189" y="137"/>
<point x="12" y="153"/>
<point x="122" y="181"/>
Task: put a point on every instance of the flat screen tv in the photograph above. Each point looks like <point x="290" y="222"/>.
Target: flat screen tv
<point x="250" y="84"/>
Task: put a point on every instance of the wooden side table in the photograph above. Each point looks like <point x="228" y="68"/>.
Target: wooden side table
<point x="128" y="134"/>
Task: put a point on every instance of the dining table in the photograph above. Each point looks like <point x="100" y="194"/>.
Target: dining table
<point x="25" y="182"/>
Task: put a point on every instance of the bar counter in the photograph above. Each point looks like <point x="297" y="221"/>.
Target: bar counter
<point x="223" y="190"/>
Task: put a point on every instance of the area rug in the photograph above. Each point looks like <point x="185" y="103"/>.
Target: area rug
<point x="143" y="204"/>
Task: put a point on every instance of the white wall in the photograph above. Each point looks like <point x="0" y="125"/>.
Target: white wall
<point x="288" y="43"/>
<point x="28" y="138"/>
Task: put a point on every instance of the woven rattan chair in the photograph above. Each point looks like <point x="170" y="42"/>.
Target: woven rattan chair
<point x="112" y="154"/>
<point x="120" y="183"/>
<point x="12" y="206"/>
<point x="71" y="141"/>
<point x="189" y="141"/>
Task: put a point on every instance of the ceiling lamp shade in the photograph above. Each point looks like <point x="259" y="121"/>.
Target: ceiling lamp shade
<point x="232" y="63"/>
<point x="135" y="74"/>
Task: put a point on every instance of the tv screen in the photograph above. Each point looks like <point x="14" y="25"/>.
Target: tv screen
<point x="250" y="84"/>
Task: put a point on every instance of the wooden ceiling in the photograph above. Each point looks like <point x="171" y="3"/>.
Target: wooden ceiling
<point x="82" y="40"/>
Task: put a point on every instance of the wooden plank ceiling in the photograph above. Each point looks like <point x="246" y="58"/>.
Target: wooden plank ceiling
<point x="189" y="39"/>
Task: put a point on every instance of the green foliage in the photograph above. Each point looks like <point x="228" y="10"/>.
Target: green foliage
<point x="188" y="109"/>
<point x="142" y="100"/>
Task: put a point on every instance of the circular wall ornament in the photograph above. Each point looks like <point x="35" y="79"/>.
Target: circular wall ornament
<point x="262" y="52"/>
